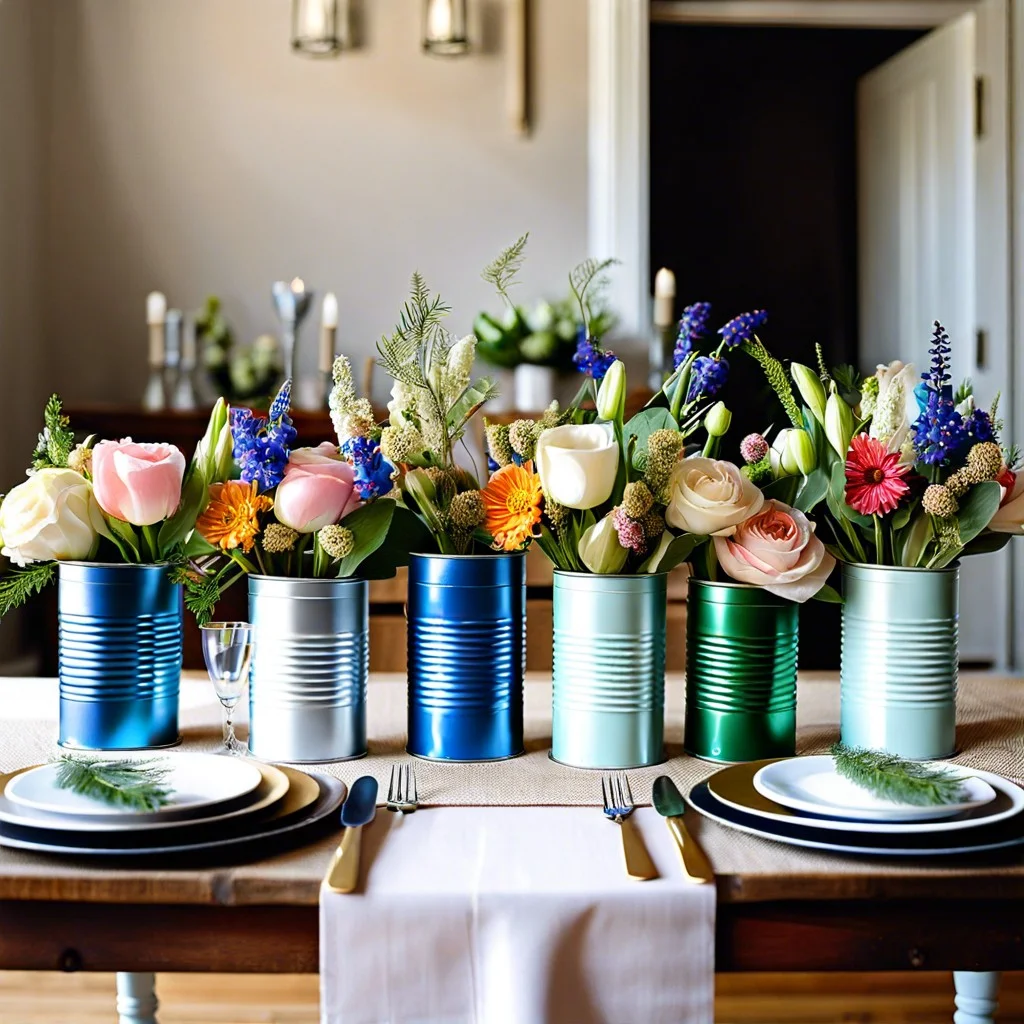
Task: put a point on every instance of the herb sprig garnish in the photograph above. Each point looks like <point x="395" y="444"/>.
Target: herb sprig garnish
<point x="139" y="785"/>
<point x="892" y="778"/>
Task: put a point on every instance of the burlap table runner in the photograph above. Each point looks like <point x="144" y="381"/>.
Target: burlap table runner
<point x="990" y="735"/>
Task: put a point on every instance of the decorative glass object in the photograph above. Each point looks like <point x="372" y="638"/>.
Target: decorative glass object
<point x="444" y="27"/>
<point x="227" y="650"/>
<point x="320" y="28"/>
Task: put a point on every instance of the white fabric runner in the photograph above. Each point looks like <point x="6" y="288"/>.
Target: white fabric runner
<point x="515" y="915"/>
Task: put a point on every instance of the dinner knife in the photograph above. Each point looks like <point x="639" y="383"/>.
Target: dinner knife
<point x="358" y="810"/>
<point x="669" y="803"/>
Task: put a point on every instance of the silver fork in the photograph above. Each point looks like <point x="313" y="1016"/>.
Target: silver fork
<point x="618" y="806"/>
<point x="402" y="796"/>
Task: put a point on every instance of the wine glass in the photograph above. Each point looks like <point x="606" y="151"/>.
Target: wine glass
<point x="227" y="649"/>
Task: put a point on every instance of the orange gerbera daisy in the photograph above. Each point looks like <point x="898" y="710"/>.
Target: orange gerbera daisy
<point x="512" y="506"/>
<point x="230" y="519"/>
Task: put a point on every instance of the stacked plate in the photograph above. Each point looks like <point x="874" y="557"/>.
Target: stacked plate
<point x="217" y="804"/>
<point x="805" y="802"/>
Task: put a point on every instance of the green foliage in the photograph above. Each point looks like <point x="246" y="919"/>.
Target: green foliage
<point x="194" y="497"/>
<point x="369" y="525"/>
<point x="828" y="595"/>
<point x="139" y="785"/>
<point x="964" y="391"/>
<point x="678" y="551"/>
<point x="202" y="590"/>
<point x="986" y="542"/>
<point x="469" y="402"/>
<point x="776" y="375"/>
<point x="581" y="277"/>
<point x="502" y="271"/>
<point x="418" y="337"/>
<point x="18" y="586"/>
<point x="977" y="507"/>
<point x="56" y="441"/>
<point x="642" y="425"/>
<point x="407" y="533"/>
<point x="892" y="778"/>
<point x="848" y="380"/>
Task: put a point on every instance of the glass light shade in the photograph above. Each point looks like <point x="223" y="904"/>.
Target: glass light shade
<point x="320" y="28"/>
<point x="444" y="27"/>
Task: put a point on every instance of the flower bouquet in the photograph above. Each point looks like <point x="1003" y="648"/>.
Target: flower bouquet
<point x="112" y="520"/>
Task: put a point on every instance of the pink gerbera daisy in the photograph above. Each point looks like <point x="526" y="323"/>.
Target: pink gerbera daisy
<point x="874" y="477"/>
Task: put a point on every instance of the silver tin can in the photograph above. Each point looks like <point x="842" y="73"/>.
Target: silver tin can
<point x="608" y="695"/>
<point x="899" y="666"/>
<point x="307" y="687"/>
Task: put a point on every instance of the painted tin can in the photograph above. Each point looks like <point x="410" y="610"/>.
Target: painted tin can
<point x="119" y="656"/>
<point x="310" y="661"/>
<point x="741" y="657"/>
<point x="899" y="664"/>
<point x="467" y="656"/>
<point x="608" y="692"/>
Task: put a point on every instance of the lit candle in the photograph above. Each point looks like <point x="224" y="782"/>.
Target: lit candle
<point x="328" y="329"/>
<point x="156" y="314"/>
<point x="664" y="297"/>
<point x="439" y="20"/>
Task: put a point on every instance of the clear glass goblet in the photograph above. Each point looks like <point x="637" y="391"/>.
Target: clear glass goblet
<point x="227" y="649"/>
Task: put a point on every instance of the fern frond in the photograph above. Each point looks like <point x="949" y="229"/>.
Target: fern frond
<point x="57" y="440"/>
<point x="501" y="272"/>
<point x="822" y="368"/>
<point x="581" y="277"/>
<point x="892" y="778"/>
<point x="139" y="785"/>
<point x="777" y="377"/>
<point x="18" y="586"/>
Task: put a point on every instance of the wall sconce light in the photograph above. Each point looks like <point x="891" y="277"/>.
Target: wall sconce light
<point x="320" y="28"/>
<point x="444" y="27"/>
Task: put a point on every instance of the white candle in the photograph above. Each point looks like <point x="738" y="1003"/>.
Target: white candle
<point x="328" y="329"/>
<point x="156" y="314"/>
<point x="156" y="308"/>
<point x="664" y="297"/>
<point x="439" y="20"/>
<point x="314" y="20"/>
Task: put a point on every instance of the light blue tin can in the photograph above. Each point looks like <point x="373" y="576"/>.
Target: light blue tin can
<point x="310" y="661"/>
<point x="467" y="656"/>
<point x="119" y="656"/>
<point x="899" y="665"/>
<point x="608" y="694"/>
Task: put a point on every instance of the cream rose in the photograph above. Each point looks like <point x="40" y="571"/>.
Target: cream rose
<point x="710" y="497"/>
<point x="577" y="464"/>
<point x="777" y="550"/>
<point x="53" y="514"/>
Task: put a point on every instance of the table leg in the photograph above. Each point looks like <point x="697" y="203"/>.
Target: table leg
<point x="136" y="998"/>
<point x="976" y="996"/>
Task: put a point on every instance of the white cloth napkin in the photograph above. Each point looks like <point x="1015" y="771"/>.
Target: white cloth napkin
<point x="515" y="915"/>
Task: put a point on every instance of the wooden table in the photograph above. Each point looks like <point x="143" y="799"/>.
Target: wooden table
<point x="965" y="916"/>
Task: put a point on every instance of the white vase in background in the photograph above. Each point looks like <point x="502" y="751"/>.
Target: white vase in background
<point x="534" y="387"/>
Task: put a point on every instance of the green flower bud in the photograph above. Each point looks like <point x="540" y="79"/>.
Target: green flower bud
<point x="809" y="385"/>
<point x="781" y="466"/>
<point x="611" y="396"/>
<point x="838" y="424"/>
<point x="717" y="420"/>
<point x="599" y="547"/>
<point x="799" y="452"/>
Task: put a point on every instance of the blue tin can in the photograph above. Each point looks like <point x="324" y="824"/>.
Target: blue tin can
<point x="119" y="656"/>
<point x="467" y="656"/>
<point x="608" y="693"/>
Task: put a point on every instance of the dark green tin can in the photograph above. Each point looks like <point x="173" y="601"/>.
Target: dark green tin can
<point x="741" y="648"/>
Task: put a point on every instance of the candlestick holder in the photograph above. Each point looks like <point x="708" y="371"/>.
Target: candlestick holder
<point x="292" y="302"/>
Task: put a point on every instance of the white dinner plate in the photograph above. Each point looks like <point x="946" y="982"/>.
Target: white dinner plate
<point x="812" y="785"/>
<point x="200" y="783"/>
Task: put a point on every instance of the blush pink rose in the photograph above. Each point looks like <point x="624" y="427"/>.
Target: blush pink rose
<point x="776" y="549"/>
<point x="318" y="489"/>
<point x="139" y="483"/>
<point x="1009" y="517"/>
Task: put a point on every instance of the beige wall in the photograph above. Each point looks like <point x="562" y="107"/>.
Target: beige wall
<point x="191" y="151"/>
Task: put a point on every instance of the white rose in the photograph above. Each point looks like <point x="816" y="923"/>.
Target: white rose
<point x="577" y="464"/>
<point x="53" y="514"/>
<point x="708" y="497"/>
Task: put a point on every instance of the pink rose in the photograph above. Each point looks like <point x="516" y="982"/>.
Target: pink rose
<point x="1009" y="516"/>
<point x="318" y="489"/>
<point x="139" y="483"/>
<point x="776" y="549"/>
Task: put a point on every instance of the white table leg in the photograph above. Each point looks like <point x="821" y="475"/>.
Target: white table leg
<point x="136" y="998"/>
<point x="976" y="996"/>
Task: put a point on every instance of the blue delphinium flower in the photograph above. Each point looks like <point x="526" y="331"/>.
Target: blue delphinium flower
<point x="692" y="325"/>
<point x="373" y="471"/>
<point x="741" y="328"/>
<point x="707" y="377"/>
<point x="979" y="427"/>
<point x="591" y="359"/>
<point x="261" y="446"/>
<point x="939" y="434"/>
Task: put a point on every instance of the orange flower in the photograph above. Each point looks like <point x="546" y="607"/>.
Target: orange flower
<point x="512" y="506"/>
<point x="230" y="518"/>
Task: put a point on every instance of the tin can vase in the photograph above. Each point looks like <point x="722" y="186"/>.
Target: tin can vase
<point x="311" y="657"/>
<point x="608" y="692"/>
<point x="119" y="656"/>
<point x="899" y="666"/>
<point x="467" y="656"/>
<point x="741" y="656"/>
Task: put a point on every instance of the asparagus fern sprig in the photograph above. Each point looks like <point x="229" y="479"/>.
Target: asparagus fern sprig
<point x="18" y="586"/>
<point x="892" y="778"/>
<point x="139" y="785"/>
<point x="581" y="277"/>
<point x="56" y="441"/>
<point x="502" y="271"/>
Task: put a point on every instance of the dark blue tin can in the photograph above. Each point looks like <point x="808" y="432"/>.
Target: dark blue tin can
<point x="467" y="656"/>
<point x="119" y="656"/>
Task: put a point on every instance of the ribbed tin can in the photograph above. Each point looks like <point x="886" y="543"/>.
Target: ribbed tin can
<point x="119" y="656"/>
<point x="899" y="659"/>
<point x="467" y="656"/>
<point x="741" y="653"/>
<point x="310" y="660"/>
<point x="608" y="692"/>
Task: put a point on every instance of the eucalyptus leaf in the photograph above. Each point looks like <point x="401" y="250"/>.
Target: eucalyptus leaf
<point x="977" y="508"/>
<point x="645" y="423"/>
<point x="369" y="525"/>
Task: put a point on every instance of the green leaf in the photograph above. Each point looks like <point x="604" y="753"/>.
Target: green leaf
<point x="829" y="595"/>
<point x="977" y="508"/>
<point x="811" y="490"/>
<point x="407" y="533"/>
<point x="479" y="392"/>
<point x="369" y="525"/>
<point x="986" y="542"/>
<point x="198" y="546"/>
<point x="836" y="497"/>
<point x="194" y="497"/>
<point x="918" y="537"/>
<point x="125" y="538"/>
<point x="901" y="516"/>
<point x="645" y="423"/>
<point x="678" y="551"/>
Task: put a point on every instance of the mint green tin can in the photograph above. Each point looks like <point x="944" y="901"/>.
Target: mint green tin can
<point x="741" y="657"/>
<point x="898" y="675"/>
<point x="608" y="693"/>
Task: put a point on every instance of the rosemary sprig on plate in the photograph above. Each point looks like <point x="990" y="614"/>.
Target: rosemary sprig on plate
<point x="892" y="778"/>
<point x="139" y="785"/>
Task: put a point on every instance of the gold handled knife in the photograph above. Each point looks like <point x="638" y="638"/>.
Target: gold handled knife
<point x="669" y="803"/>
<point x="358" y="810"/>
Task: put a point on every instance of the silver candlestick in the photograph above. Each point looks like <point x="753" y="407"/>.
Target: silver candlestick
<point x="292" y="302"/>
